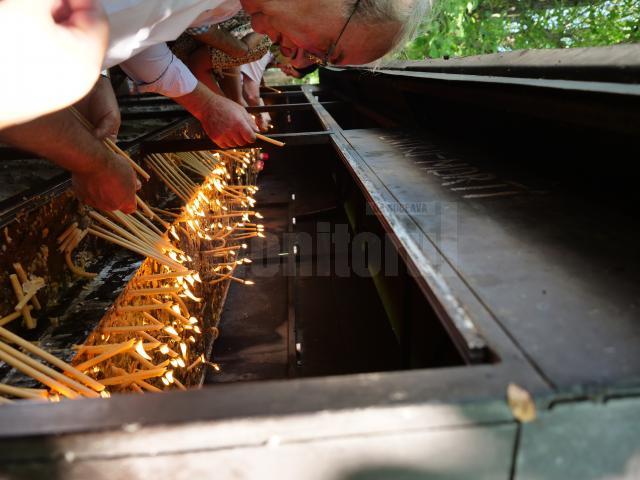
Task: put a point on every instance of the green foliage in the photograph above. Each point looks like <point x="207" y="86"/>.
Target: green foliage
<point x="311" y="79"/>
<point x="474" y="27"/>
<point x="273" y="76"/>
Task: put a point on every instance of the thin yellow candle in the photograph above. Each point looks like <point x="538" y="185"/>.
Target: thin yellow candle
<point x="29" y="321"/>
<point x="22" y="276"/>
<point x="53" y="360"/>
<point x="132" y="328"/>
<point x="133" y="377"/>
<point x="36" y="375"/>
<point x="11" y="317"/>
<point x="116" y="350"/>
<point x="144" y="292"/>
<point x="28" y="393"/>
<point x="142" y="308"/>
<point x="49" y="372"/>
<point x="163" y="276"/>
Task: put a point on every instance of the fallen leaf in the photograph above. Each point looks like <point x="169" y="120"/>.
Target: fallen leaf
<point x="521" y="403"/>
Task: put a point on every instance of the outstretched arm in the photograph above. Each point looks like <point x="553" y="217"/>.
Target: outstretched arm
<point x="251" y="92"/>
<point x="101" y="108"/>
<point x="157" y="70"/>
<point x="101" y="178"/>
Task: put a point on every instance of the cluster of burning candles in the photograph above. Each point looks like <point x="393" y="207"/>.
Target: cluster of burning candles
<point x="153" y="338"/>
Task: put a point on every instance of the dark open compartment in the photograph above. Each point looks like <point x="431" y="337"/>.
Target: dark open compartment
<point x="332" y="295"/>
<point x="351" y="116"/>
<point x="295" y="120"/>
<point x="273" y="98"/>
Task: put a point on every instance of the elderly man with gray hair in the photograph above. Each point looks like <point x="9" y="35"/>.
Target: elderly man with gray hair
<point x="340" y="32"/>
<point x="328" y="31"/>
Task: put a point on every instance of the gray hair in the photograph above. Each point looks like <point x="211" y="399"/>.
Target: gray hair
<point x="409" y="13"/>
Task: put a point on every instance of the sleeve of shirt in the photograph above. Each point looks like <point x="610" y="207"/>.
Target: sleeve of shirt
<point x="157" y="70"/>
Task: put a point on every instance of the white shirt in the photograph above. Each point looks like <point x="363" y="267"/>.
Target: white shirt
<point x="255" y="70"/>
<point x="139" y="30"/>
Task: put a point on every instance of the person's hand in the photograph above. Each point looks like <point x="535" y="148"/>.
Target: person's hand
<point x="289" y="70"/>
<point x="100" y="107"/>
<point x="65" y="40"/>
<point x="227" y="123"/>
<point x="263" y="120"/>
<point x="112" y="187"/>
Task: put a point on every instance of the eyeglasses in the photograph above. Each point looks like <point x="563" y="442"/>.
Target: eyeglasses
<point x="332" y="48"/>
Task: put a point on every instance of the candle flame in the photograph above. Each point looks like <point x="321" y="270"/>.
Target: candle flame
<point x="190" y="294"/>
<point x="171" y="331"/>
<point x="141" y="351"/>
